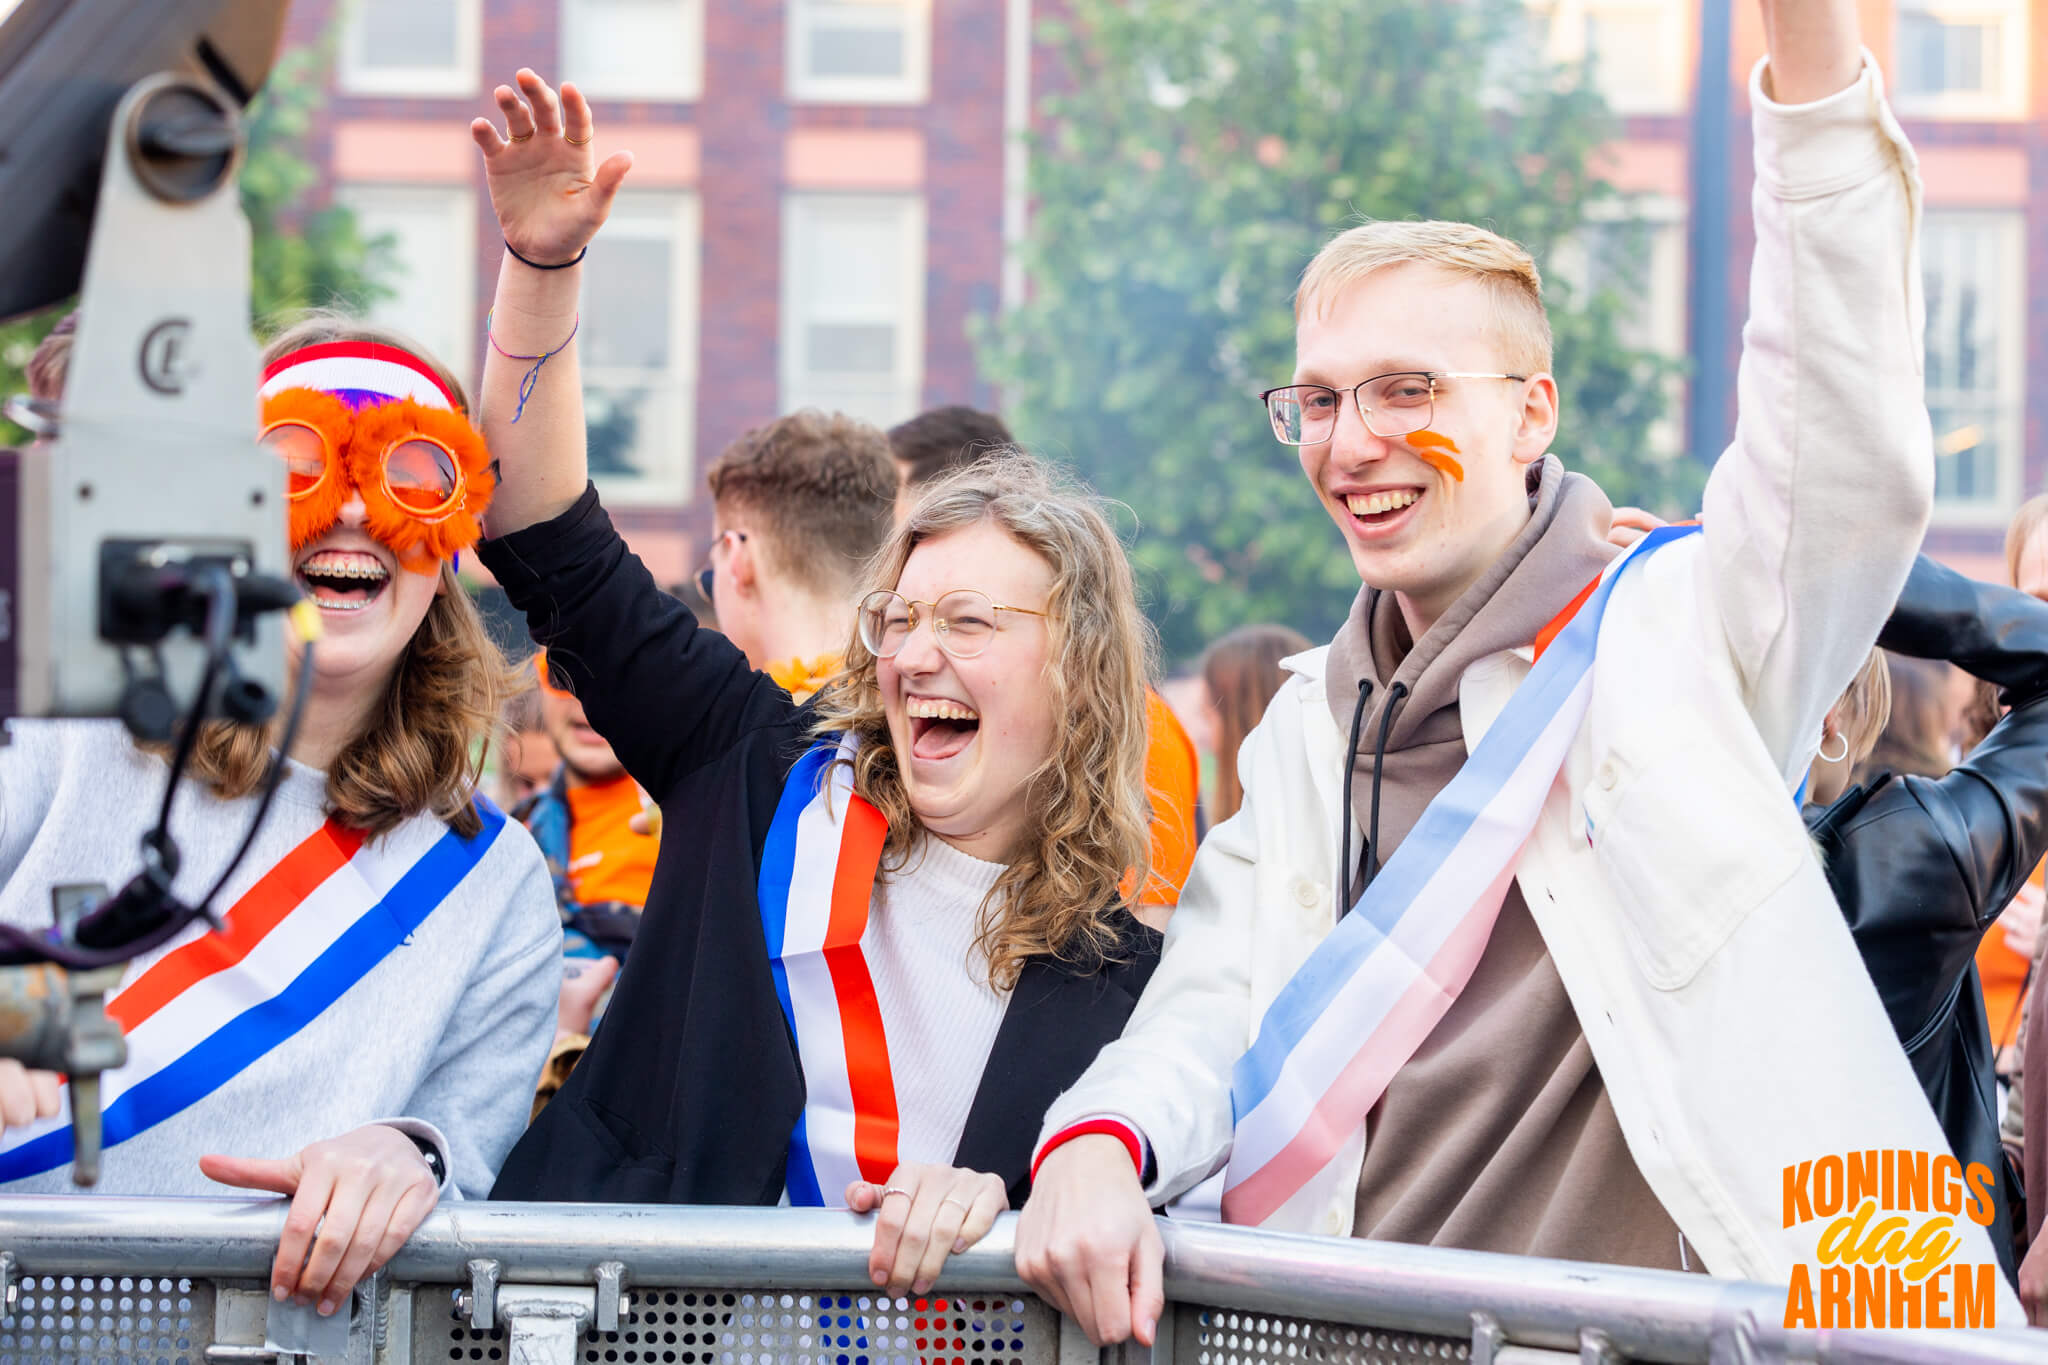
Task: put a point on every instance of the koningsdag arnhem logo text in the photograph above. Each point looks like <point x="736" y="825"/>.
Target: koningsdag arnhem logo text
<point x="1885" y="1254"/>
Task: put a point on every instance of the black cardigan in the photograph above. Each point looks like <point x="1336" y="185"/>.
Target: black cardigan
<point x="1923" y="866"/>
<point x="691" y="1088"/>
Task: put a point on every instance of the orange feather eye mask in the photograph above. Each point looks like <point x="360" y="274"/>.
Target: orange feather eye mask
<point x="359" y="419"/>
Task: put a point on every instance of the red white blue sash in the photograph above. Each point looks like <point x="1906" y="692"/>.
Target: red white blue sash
<point x="295" y="942"/>
<point x="1372" y="991"/>
<point x="817" y="877"/>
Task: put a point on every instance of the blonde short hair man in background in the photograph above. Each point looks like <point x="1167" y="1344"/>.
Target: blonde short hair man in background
<point x="1597" y="1071"/>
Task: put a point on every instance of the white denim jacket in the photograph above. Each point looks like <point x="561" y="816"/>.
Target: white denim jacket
<point x="1669" y="872"/>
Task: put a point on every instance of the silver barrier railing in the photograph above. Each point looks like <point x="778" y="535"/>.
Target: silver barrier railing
<point x="183" y="1282"/>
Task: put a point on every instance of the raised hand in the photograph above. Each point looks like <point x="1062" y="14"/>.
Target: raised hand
<point x="549" y="191"/>
<point x="355" y="1199"/>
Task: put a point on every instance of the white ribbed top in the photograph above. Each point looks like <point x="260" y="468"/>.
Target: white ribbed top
<point x="938" y="1011"/>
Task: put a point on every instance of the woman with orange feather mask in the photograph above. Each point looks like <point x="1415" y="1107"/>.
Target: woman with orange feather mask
<point x="390" y="960"/>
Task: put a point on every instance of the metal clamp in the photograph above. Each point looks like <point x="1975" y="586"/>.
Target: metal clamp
<point x="1597" y="1348"/>
<point x="544" y="1324"/>
<point x="612" y="1302"/>
<point x="479" y="1302"/>
<point x="1487" y="1338"/>
<point x="10" y="1286"/>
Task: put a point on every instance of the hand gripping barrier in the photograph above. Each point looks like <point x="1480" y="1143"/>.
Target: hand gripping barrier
<point x="183" y="1282"/>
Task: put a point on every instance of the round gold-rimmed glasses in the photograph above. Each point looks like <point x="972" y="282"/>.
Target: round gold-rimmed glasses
<point x="963" y="620"/>
<point x="1392" y="405"/>
<point x="420" y="473"/>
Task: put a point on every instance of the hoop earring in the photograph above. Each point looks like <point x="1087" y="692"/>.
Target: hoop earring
<point x="1827" y="757"/>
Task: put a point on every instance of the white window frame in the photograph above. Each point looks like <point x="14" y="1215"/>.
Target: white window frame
<point x="800" y="210"/>
<point x="912" y="87"/>
<point x="357" y="75"/>
<point x="2009" y="296"/>
<point x="2014" y="55"/>
<point x="675" y="216"/>
<point x="681" y="81"/>
<point x="458" y="204"/>
<point x="1568" y="43"/>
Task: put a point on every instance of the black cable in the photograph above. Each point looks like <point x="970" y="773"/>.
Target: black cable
<point x="18" y="946"/>
<point x="272" y="780"/>
<point x="220" y="628"/>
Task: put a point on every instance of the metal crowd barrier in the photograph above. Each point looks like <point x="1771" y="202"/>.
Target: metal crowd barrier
<point x="183" y="1282"/>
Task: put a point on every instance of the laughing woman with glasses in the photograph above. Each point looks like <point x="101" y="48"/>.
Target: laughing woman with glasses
<point x="886" y="928"/>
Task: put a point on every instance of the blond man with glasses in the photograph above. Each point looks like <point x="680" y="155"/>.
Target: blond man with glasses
<point x="1509" y="944"/>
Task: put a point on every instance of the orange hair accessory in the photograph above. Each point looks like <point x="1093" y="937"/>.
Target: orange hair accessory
<point x="547" y="684"/>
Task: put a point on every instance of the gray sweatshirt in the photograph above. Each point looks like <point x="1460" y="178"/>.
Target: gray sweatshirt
<point x="445" y="1033"/>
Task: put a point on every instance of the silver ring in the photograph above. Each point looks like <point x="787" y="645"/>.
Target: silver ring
<point x="888" y="1190"/>
<point x="964" y="1206"/>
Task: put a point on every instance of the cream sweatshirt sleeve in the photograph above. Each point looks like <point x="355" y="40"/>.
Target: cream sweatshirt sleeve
<point x="1814" y="513"/>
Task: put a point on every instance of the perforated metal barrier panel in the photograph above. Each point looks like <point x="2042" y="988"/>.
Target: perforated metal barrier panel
<point x="758" y="1327"/>
<point x="1226" y="1336"/>
<point x="72" y="1320"/>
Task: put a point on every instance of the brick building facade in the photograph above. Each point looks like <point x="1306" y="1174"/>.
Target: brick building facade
<point x="823" y="189"/>
<point x="816" y="210"/>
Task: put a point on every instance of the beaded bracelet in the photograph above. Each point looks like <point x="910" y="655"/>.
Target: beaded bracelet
<point x="532" y="376"/>
<point x="563" y="265"/>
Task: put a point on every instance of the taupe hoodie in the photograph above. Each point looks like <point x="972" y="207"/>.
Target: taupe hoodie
<point x="1497" y="1135"/>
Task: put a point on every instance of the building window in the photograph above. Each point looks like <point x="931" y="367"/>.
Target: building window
<point x="1638" y="49"/>
<point x="1976" y="359"/>
<point x="853" y="304"/>
<point x="638" y="348"/>
<point x="634" y="49"/>
<point x="410" y="47"/>
<point x="1961" y="58"/>
<point x="859" y="51"/>
<point x="430" y="231"/>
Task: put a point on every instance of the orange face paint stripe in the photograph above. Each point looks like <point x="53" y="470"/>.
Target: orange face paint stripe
<point x="1436" y="449"/>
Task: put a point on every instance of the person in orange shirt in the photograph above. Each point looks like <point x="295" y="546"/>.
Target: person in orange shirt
<point x="934" y="444"/>
<point x="580" y="820"/>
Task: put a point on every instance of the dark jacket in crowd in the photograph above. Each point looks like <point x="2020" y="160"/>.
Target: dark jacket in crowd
<point x="691" y="1088"/>
<point x="1923" y="866"/>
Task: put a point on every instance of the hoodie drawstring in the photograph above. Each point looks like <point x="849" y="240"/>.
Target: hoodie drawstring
<point x="1395" y="696"/>
<point x="1344" y="817"/>
<point x="1379" y="763"/>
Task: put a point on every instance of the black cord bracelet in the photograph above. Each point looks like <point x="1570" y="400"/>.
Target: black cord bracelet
<point x="538" y="266"/>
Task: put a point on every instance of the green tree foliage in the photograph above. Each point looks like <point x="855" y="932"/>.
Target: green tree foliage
<point x="301" y="257"/>
<point x="1202" y="150"/>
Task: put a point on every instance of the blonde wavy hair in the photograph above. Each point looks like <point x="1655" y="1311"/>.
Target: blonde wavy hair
<point x="422" y="749"/>
<point x="1090" y="816"/>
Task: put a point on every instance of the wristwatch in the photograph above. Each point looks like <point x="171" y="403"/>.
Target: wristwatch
<point x="432" y="1154"/>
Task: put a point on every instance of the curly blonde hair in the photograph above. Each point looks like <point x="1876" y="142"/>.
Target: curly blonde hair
<point x="423" y="748"/>
<point x="1089" y="812"/>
